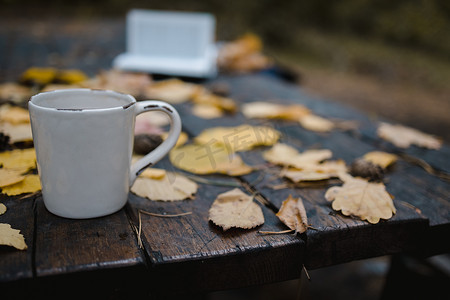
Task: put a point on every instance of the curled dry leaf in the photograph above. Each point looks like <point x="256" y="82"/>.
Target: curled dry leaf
<point x="383" y="159"/>
<point x="169" y="187"/>
<point x="267" y="110"/>
<point x="11" y="237"/>
<point x="293" y="214"/>
<point x="239" y="138"/>
<point x="316" y="123"/>
<point x="403" y="137"/>
<point x="208" y="159"/>
<point x="358" y="197"/>
<point x="235" y="209"/>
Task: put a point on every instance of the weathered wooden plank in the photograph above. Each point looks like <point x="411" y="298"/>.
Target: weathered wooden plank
<point x="199" y="256"/>
<point x="66" y="246"/>
<point x="16" y="264"/>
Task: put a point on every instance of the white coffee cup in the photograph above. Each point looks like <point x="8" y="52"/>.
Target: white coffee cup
<point x="84" y="142"/>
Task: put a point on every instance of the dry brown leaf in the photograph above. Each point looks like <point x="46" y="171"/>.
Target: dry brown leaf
<point x="2" y="208"/>
<point x="316" y="123"/>
<point x="358" y="197"/>
<point x="403" y="137"/>
<point x="208" y="159"/>
<point x="266" y="110"/>
<point x="153" y="173"/>
<point x="29" y="184"/>
<point x="11" y="237"/>
<point x="316" y="171"/>
<point x="17" y="133"/>
<point x="14" y="92"/>
<point x="239" y="138"/>
<point x="235" y="209"/>
<point x="223" y="103"/>
<point x="293" y="214"/>
<point x="10" y="176"/>
<point x="170" y="187"/>
<point x="172" y="90"/>
<point x="383" y="159"/>
<point x="206" y="111"/>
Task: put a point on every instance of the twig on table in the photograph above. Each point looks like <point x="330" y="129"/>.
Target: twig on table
<point x="163" y="215"/>
<point x="276" y="232"/>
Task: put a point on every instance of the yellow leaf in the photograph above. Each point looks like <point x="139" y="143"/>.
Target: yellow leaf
<point x="286" y="155"/>
<point x="172" y="90"/>
<point x="221" y="103"/>
<point x="315" y="172"/>
<point x="267" y="110"/>
<point x="11" y="237"/>
<point x="153" y="173"/>
<point x="40" y="76"/>
<point x="208" y="159"/>
<point x="293" y="214"/>
<point x="14" y="92"/>
<point x="239" y="138"/>
<point x="171" y="187"/>
<point x="18" y="159"/>
<point x="358" y="197"/>
<point x="29" y="184"/>
<point x="2" y="208"/>
<point x="14" y="114"/>
<point x="316" y="123"/>
<point x="11" y="176"/>
<point x="235" y="209"/>
<point x="383" y="159"/>
<point x="17" y="132"/>
<point x="403" y="137"/>
<point x="206" y="111"/>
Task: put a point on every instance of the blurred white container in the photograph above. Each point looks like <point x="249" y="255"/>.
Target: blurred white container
<point x="170" y="43"/>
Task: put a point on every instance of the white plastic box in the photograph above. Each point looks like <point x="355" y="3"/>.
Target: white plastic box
<point x="170" y="43"/>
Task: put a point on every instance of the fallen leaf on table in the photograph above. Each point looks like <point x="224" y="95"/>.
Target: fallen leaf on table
<point x="153" y="173"/>
<point x="18" y="159"/>
<point x="208" y="159"/>
<point x="235" y="209"/>
<point x="403" y="137"/>
<point x="14" y="114"/>
<point x="223" y="103"/>
<point x="29" y="184"/>
<point x="283" y="154"/>
<point x="17" y="133"/>
<point x="172" y="90"/>
<point x="182" y="139"/>
<point x="8" y="176"/>
<point x="383" y="159"/>
<point x="267" y="110"/>
<point x="71" y="76"/>
<point x="316" y="172"/>
<point x="358" y="197"/>
<point x="316" y="123"/>
<point x="11" y="237"/>
<point x="169" y="187"/>
<point x="14" y="92"/>
<point x="2" y="208"/>
<point x="239" y="138"/>
<point x="206" y="111"/>
<point x="41" y="76"/>
<point x="293" y="214"/>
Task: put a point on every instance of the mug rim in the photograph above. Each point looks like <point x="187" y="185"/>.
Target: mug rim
<point x="34" y="100"/>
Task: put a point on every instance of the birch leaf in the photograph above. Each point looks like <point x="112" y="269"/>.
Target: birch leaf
<point x="267" y="110"/>
<point x="316" y="123"/>
<point x="358" y="197"/>
<point x="18" y="159"/>
<point x="403" y="137"/>
<point x="293" y="214"/>
<point x="14" y="114"/>
<point x="8" y="177"/>
<point x="206" y="111"/>
<point x="17" y="132"/>
<point x="172" y="90"/>
<point x="239" y="138"/>
<point x="383" y="159"/>
<point x="235" y="209"/>
<point x="29" y="184"/>
<point x="11" y="237"/>
<point x="286" y="155"/>
<point x="2" y="208"/>
<point x="170" y="187"/>
<point x="208" y="159"/>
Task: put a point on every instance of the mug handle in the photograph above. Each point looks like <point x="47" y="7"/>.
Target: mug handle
<point x="160" y="151"/>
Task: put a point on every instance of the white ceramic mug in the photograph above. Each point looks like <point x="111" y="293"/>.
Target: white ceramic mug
<point x="84" y="142"/>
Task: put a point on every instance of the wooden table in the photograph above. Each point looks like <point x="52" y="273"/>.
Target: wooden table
<point x="191" y="255"/>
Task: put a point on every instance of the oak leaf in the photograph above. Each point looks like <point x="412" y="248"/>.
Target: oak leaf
<point x="11" y="237"/>
<point x="367" y="200"/>
<point x="235" y="209"/>
<point x="293" y="214"/>
<point x="403" y="136"/>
